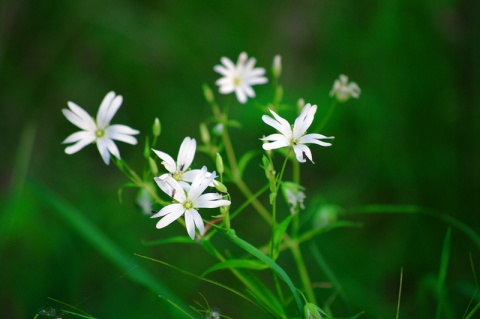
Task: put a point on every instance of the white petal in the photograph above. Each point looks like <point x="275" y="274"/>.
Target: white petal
<point x="168" y="161"/>
<point x="190" y="175"/>
<point x="280" y="124"/>
<point x="102" y="148"/>
<point x="176" y="211"/>
<point x="79" y="145"/>
<point x="241" y="96"/>
<point x="186" y="153"/>
<point x="211" y="200"/>
<point x="122" y="133"/>
<point x="221" y="70"/>
<point x="81" y="135"/>
<point x="274" y="145"/>
<point x="200" y="183"/>
<point x="302" y="152"/>
<point x="112" y="109"/>
<point x="190" y="223"/>
<point x="315" y="139"/>
<point x="198" y="221"/>
<point x="257" y="80"/>
<point x="111" y="146"/>
<point x="304" y="120"/>
<point x="103" y="109"/>
<point x="79" y="117"/>
<point x="228" y="63"/>
<point x="167" y="210"/>
<point x="226" y="88"/>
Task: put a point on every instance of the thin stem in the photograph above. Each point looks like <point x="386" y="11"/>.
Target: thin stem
<point x="302" y="270"/>
<point x="327" y="116"/>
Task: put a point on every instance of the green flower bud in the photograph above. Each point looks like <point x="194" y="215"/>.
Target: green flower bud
<point x="220" y="187"/>
<point x="219" y="163"/>
<point x="277" y="66"/>
<point x="156" y="127"/>
<point x="204" y="134"/>
<point x="153" y="166"/>
<point x="208" y="94"/>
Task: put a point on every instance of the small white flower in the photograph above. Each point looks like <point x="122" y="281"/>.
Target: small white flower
<point x="98" y="130"/>
<point x="239" y="78"/>
<point x="188" y="202"/>
<point x="294" y="137"/>
<point x="294" y="195"/>
<point x="178" y="170"/>
<point x="344" y="90"/>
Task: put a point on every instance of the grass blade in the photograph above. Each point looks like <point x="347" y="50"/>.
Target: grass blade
<point x="442" y="274"/>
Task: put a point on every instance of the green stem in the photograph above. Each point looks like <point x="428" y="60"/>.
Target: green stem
<point x="302" y="270"/>
<point x="325" y="120"/>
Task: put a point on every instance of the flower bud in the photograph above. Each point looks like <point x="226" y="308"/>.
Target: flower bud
<point x="277" y="66"/>
<point x="204" y="134"/>
<point x="219" y="163"/>
<point x="156" y="127"/>
<point x="300" y="105"/>
<point x="343" y="91"/>
<point x="153" y="166"/>
<point x="220" y="187"/>
<point x="208" y="94"/>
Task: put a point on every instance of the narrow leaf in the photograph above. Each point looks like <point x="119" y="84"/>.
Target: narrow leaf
<point x="237" y="263"/>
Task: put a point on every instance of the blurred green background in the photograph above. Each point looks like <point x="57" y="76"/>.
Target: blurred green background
<point x="411" y="138"/>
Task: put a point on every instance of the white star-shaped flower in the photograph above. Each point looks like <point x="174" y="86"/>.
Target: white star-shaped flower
<point x="98" y="130"/>
<point x="239" y="78"/>
<point x="344" y="90"/>
<point x="294" y="137"/>
<point x="188" y="202"/>
<point x="178" y="169"/>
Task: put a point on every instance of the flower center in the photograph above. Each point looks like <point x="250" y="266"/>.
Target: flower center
<point x="178" y="175"/>
<point x="294" y="141"/>
<point x="237" y="81"/>
<point x="188" y="204"/>
<point x="99" y="133"/>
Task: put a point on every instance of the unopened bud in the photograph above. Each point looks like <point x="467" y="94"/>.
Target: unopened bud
<point x="208" y="94"/>
<point x="219" y="163"/>
<point x="300" y="104"/>
<point x="153" y="166"/>
<point x="157" y="128"/>
<point x="277" y="66"/>
<point x="204" y="134"/>
<point x="219" y="186"/>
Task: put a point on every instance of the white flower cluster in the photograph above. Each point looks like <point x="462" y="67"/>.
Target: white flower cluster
<point x="186" y="188"/>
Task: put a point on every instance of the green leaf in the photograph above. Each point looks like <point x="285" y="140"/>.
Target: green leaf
<point x="442" y="274"/>
<point x="277" y="237"/>
<point x="237" y="263"/>
<point x="274" y="266"/>
<point x="170" y="240"/>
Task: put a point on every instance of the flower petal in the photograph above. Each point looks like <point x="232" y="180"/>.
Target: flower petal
<point x="315" y="139"/>
<point x="168" y="161"/>
<point x="167" y="210"/>
<point x="103" y="110"/>
<point x="186" y="153"/>
<point x="211" y="200"/>
<point x="79" y="117"/>
<point x="304" y="120"/>
<point x="80" y="135"/>
<point x="176" y="210"/>
<point x="79" y="145"/>
<point x="200" y="183"/>
<point x="279" y="123"/>
<point x="302" y="152"/>
<point x="122" y="133"/>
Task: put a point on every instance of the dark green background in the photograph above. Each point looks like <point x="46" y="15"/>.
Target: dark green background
<point x="412" y="138"/>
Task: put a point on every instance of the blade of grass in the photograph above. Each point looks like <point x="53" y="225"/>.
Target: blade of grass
<point x="442" y="274"/>
<point x="88" y="231"/>
<point x="399" y="293"/>
<point x="327" y="271"/>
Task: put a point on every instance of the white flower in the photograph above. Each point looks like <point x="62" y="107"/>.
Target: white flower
<point x="294" y="137"/>
<point x="98" y="130"/>
<point x="294" y="195"/>
<point x="188" y="202"/>
<point x="178" y="170"/>
<point x="344" y="90"/>
<point x="239" y="78"/>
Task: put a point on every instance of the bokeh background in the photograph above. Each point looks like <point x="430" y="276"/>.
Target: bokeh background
<point x="412" y="138"/>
